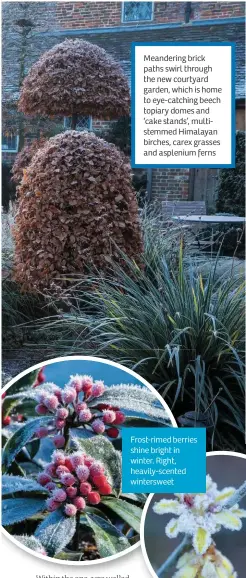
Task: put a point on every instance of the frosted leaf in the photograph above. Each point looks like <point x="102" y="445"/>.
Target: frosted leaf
<point x="20" y="438"/>
<point x="12" y="484"/>
<point x="108" y="538"/>
<point x="128" y="512"/>
<point x="55" y="532"/>
<point x="103" y="451"/>
<point x="31" y="542"/>
<point x="133" y="398"/>
<point x="18" y="509"/>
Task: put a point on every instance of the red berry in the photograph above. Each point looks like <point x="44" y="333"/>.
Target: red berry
<point x="93" y="498"/>
<point x="6" y="420"/>
<point x="69" y="464"/>
<point x="119" y="417"/>
<point x="105" y="489"/>
<point x="102" y="406"/>
<point x="99" y="480"/>
<point x="71" y="492"/>
<point x="79" y="503"/>
<point x="113" y="432"/>
<point x="85" y="488"/>
<point x="4" y="395"/>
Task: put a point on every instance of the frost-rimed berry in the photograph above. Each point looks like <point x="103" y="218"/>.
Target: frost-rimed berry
<point x="108" y="416"/>
<point x="85" y="488"/>
<point x="71" y="492"/>
<point x="52" y="505"/>
<point x="59" y="495"/>
<point x="51" y="402"/>
<point x="42" y="432"/>
<point x="85" y="415"/>
<point x="69" y="395"/>
<point x="97" y="388"/>
<point x="43" y="479"/>
<point x="68" y="479"/>
<point x="41" y="409"/>
<point x="79" y="503"/>
<point x="62" y="413"/>
<point x="98" y="426"/>
<point x="58" y="458"/>
<point x="70" y="510"/>
<point x="96" y="469"/>
<point x="59" y="441"/>
<point x="119" y="418"/>
<point x="83" y="473"/>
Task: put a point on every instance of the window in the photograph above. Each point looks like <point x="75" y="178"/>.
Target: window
<point x="83" y="122"/>
<point x="10" y="142"/>
<point x="135" y="11"/>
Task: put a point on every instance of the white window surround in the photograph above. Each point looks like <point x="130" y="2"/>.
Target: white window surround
<point x="140" y="19"/>
<point x="83" y="123"/>
<point x="11" y="150"/>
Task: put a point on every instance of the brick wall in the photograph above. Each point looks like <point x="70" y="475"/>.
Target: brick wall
<point x="170" y="184"/>
<point x="81" y="15"/>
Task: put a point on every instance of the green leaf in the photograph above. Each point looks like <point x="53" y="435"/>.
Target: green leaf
<point x="128" y="512"/>
<point x="15" y="510"/>
<point x="20" y="438"/>
<point x="109" y="540"/>
<point x="55" y="532"/>
<point x="103" y="450"/>
<point x="30" y="542"/>
<point x="13" y="484"/>
<point x="33" y="447"/>
<point x="133" y="398"/>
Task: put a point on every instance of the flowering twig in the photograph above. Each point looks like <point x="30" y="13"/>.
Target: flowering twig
<point x="172" y="559"/>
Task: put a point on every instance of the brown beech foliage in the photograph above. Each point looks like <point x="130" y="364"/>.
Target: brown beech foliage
<point x="75" y="77"/>
<point x="75" y="198"/>
<point x="24" y="157"/>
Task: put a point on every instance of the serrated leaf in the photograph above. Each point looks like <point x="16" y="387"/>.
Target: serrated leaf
<point x="16" y="510"/>
<point x="20" y="438"/>
<point x="13" y="484"/>
<point x="133" y="398"/>
<point x="108" y="538"/>
<point x="103" y="450"/>
<point x="128" y="512"/>
<point x="30" y="542"/>
<point x="55" y="532"/>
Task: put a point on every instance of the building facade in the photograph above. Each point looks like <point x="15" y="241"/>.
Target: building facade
<point x="114" y="26"/>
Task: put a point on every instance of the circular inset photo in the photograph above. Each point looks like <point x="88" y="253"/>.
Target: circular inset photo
<point x="200" y="535"/>
<point x="61" y="432"/>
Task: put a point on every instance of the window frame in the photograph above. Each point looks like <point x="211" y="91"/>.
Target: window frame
<point x="10" y="150"/>
<point x="89" y="127"/>
<point x="132" y="21"/>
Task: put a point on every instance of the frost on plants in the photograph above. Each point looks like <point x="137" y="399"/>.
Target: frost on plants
<point x="62" y="468"/>
<point x="76" y="215"/>
<point x="199" y="517"/>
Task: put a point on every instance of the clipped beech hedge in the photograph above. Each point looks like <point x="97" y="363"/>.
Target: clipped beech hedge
<point x="76" y="197"/>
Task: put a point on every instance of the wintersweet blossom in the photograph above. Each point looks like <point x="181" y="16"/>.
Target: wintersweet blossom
<point x="211" y="565"/>
<point x="201" y="515"/>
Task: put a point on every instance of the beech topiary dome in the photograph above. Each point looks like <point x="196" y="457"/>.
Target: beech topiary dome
<point x="24" y="157"/>
<point x="75" y="77"/>
<point x="76" y="203"/>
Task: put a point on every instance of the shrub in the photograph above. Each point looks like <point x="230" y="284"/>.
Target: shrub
<point x="75" y="199"/>
<point x="75" y="77"/>
<point x="231" y="191"/>
<point x="182" y="332"/>
<point x="24" y="157"/>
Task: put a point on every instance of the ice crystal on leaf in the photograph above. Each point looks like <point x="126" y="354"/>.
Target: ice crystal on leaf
<point x="201" y="515"/>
